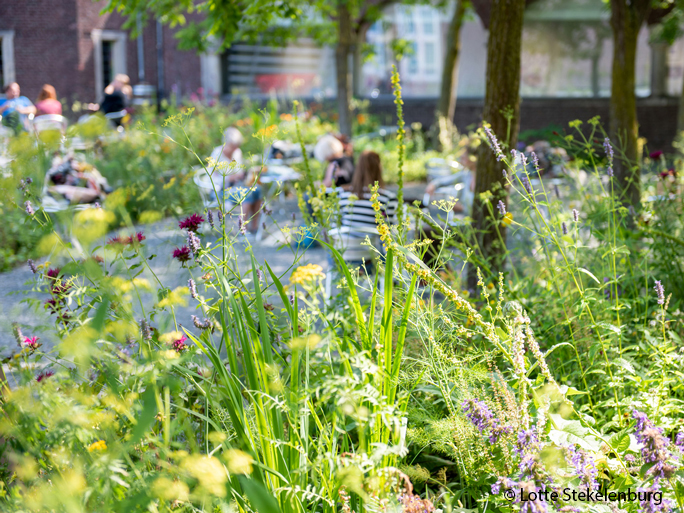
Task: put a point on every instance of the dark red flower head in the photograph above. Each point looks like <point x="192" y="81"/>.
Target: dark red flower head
<point x="179" y="345"/>
<point x="44" y="375"/>
<point x="181" y="254"/>
<point x="52" y="273"/>
<point x="191" y="223"/>
<point x="655" y="155"/>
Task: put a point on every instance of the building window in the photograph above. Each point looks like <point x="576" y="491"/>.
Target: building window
<point x="109" y="51"/>
<point x="428" y="20"/>
<point x="430" y="58"/>
<point x="107" y="62"/>
<point x="413" y="59"/>
<point x="6" y="57"/>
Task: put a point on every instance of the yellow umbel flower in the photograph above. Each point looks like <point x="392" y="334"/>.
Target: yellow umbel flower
<point x="307" y="273"/>
<point x="100" y="445"/>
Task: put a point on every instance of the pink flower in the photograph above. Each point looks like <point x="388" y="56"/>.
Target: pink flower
<point x="126" y="241"/>
<point x="179" y="345"/>
<point x="44" y="375"/>
<point x="181" y="254"/>
<point x="30" y="342"/>
<point x="191" y="223"/>
<point x="53" y="273"/>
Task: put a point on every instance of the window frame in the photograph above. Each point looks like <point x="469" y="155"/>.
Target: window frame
<point x="118" y="39"/>
<point x="8" y="69"/>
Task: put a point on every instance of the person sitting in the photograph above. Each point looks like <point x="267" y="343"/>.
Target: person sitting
<point x="47" y="102"/>
<point x="115" y="97"/>
<point x="466" y="194"/>
<point x="356" y="209"/>
<point x="15" y="108"/>
<point x="236" y="183"/>
<point x="340" y="167"/>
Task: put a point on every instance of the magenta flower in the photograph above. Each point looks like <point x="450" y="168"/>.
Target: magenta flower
<point x="182" y="254"/>
<point x="655" y="155"/>
<point x="52" y="273"/>
<point x="179" y="345"/>
<point x="44" y="375"/>
<point x="191" y="223"/>
<point x="126" y="241"/>
<point x="30" y="342"/>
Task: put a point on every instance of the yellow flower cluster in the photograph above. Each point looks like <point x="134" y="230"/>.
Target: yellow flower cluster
<point x="267" y="132"/>
<point x="306" y="274"/>
<point x="100" y="445"/>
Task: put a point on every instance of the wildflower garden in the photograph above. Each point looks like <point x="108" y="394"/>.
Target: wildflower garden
<point x="532" y="364"/>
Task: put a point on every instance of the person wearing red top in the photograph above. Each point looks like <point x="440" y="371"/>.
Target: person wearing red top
<point x="47" y="102"/>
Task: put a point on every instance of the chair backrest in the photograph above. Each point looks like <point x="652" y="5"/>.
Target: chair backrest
<point x="50" y="122"/>
<point x="116" y="115"/>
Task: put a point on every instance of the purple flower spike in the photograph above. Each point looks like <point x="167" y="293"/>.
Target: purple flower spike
<point x="660" y="291"/>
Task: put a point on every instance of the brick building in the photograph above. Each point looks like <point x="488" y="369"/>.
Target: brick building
<point x="69" y="44"/>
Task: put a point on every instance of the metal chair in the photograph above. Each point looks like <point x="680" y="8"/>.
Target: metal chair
<point x="437" y="168"/>
<point x="50" y="126"/>
<point x="350" y="242"/>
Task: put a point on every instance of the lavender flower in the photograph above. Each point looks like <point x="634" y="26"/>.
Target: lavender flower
<point x="29" y="208"/>
<point x="505" y="174"/>
<point x="523" y="159"/>
<point x="260" y="275"/>
<point x="291" y="297"/>
<point x="610" y="154"/>
<point x="482" y="417"/>
<point x="526" y="184"/>
<point x="585" y="468"/>
<point x="219" y="215"/>
<point x="522" y="490"/>
<point x="242" y="226"/>
<point x="201" y="325"/>
<point x="494" y="143"/>
<point x="32" y="266"/>
<point x="654" y="447"/>
<point x="535" y="161"/>
<point x="609" y="150"/>
<point x="193" y="288"/>
<point x="575" y="215"/>
<point x="294" y="217"/>
<point x="660" y="291"/>
<point x="267" y="211"/>
<point x="526" y="439"/>
<point x="679" y="441"/>
<point x="651" y="499"/>
<point x="145" y="330"/>
<point x="502" y="208"/>
<point x="194" y="243"/>
<point x="97" y="205"/>
<point x="210" y="218"/>
<point x="564" y="227"/>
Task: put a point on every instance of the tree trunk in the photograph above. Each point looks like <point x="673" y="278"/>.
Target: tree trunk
<point x="344" y="77"/>
<point x="626" y="20"/>
<point x="446" y="105"/>
<point x="680" y="113"/>
<point x="502" y="101"/>
<point x="359" y="40"/>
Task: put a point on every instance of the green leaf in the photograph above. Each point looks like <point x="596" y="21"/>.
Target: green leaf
<point x="146" y="418"/>
<point x="583" y="270"/>
<point x="259" y="497"/>
<point x="620" y="442"/>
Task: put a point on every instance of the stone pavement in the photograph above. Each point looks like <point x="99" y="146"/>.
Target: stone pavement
<point x="161" y="239"/>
